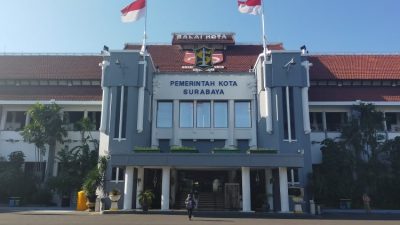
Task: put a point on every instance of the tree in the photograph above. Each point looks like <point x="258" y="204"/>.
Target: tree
<point x="14" y="182"/>
<point x="45" y="128"/>
<point x="353" y="163"/>
<point x="75" y="163"/>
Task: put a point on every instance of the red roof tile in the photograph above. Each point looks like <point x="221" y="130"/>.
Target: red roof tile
<point x="350" y="67"/>
<point x="335" y="93"/>
<point x="237" y="58"/>
<point x="33" y="67"/>
<point x="46" y="93"/>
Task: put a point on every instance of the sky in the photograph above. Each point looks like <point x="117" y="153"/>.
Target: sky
<point x="84" y="26"/>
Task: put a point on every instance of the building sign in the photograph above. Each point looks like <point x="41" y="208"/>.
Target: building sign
<point x="189" y="58"/>
<point x="196" y="38"/>
<point x="204" y="87"/>
<point x="202" y="37"/>
<point x="203" y="57"/>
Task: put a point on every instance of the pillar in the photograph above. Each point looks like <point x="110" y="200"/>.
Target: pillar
<point x="269" y="188"/>
<point x="166" y="171"/>
<point x="246" y="196"/>
<point x="253" y="140"/>
<point x="104" y="109"/>
<point x="139" y="187"/>
<point x="128" y="189"/>
<point x="3" y="119"/>
<point x="105" y="102"/>
<point x="175" y="121"/>
<point x="174" y="185"/>
<point x="306" y="111"/>
<point x="283" y="189"/>
<point x="231" y="125"/>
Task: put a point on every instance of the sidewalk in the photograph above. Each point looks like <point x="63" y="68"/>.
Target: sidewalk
<point x="42" y="210"/>
<point x="352" y="214"/>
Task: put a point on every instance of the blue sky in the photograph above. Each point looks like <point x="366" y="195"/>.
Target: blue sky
<point x="84" y="26"/>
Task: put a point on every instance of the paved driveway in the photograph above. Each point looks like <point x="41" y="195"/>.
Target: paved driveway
<point x="65" y="218"/>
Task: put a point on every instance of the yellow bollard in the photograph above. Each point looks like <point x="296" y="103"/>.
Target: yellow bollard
<point x="81" y="202"/>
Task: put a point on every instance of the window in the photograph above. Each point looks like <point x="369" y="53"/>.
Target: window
<point x="242" y="114"/>
<point x="293" y="176"/>
<point x="117" y="174"/>
<point x="121" y="112"/>
<point x="220" y="114"/>
<point x="335" y="120"/>
<point x="164" y="114"/>
<point x="15" y="120"/>
<point x="203" y="114"/>
<point x="392" y="122"/>
<point x="316" y="121"/>
<point x="71" y="118"/>
<point x="36" y="169"/>
<point x="288" y="114"/>
<point x="94" y="118"/>
<point x="186" y="114"/>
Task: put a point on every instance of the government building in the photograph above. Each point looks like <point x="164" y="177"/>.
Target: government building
<point x="237" y="126"/>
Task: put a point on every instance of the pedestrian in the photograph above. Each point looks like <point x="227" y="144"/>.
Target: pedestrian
<point x="190" y="204"/>
<point x="196" y="198"/>
<point x="366" y="200"/>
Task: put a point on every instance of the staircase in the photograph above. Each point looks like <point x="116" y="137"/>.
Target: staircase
<point x="208" y="201"/>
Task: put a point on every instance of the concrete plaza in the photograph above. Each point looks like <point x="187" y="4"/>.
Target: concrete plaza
<point x="58" y="217"/>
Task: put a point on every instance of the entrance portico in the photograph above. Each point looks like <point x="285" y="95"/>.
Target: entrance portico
<point x="214" y="189"/>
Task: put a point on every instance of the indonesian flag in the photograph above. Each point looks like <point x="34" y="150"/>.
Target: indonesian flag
<point x="250" y="6"/>
<point x="134" y="11"/>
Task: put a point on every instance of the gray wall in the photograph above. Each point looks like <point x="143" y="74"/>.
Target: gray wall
<point x="128" y="73"/>
<point x="278" y="76"/>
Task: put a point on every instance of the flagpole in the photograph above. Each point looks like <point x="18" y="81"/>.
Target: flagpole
<point x="143" y="50"/>
<point x="267" y="90"/>
<point x="264" y="37"/>
<point x="145" y="29"/>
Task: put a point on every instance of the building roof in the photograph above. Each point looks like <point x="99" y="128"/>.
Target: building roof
<point x="169" y="59"/>
<point x="355" y="67"/>
<point x="237" y="58"/>
<point x="57" y="67"/>
<point x="47" y="93"/>
<point x="365" y="93"/>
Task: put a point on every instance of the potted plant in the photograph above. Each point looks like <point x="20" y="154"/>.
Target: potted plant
<point x="93" y="180"/>
<point x="90" y="184"/>
<point x="114" y="196"/>
<point x="145" y="199"/>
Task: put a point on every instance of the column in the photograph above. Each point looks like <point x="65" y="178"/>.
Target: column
<point x="139" y="187"/>
<point x="27" y="119"/>
<point x="3" y="119"/>
<point x="104" y="109"/>
<point x="306" y="111"/>
<point x="268" y="111"/>
<point x="304" y="92"/>
<point x="105" y="102"/>
<point x="283" y="189"/>
<point x="175" y="139"/>
<point x="269" y="188"/>
<point x="128" y="189"/>
<point x="231" y="124"/>
<point x="253" y="140"/>
<point x="166" y="171"/>
<point x="246" y="196"/>
<point x="174" y="185"/>
<point x="154" y="140"/>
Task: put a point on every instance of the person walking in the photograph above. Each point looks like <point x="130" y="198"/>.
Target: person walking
<point x="190" y="204"/>
<point x="366" y="200"/>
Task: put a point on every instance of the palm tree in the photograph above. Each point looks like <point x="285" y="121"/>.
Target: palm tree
<point x="45" y="128"/>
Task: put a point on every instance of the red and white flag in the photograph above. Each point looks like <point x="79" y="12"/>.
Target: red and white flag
<point x="134" y="11"/>
<point x="250" y="6"/>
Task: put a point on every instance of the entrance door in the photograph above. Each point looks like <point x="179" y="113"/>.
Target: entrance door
<point x="206" y="185"/>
